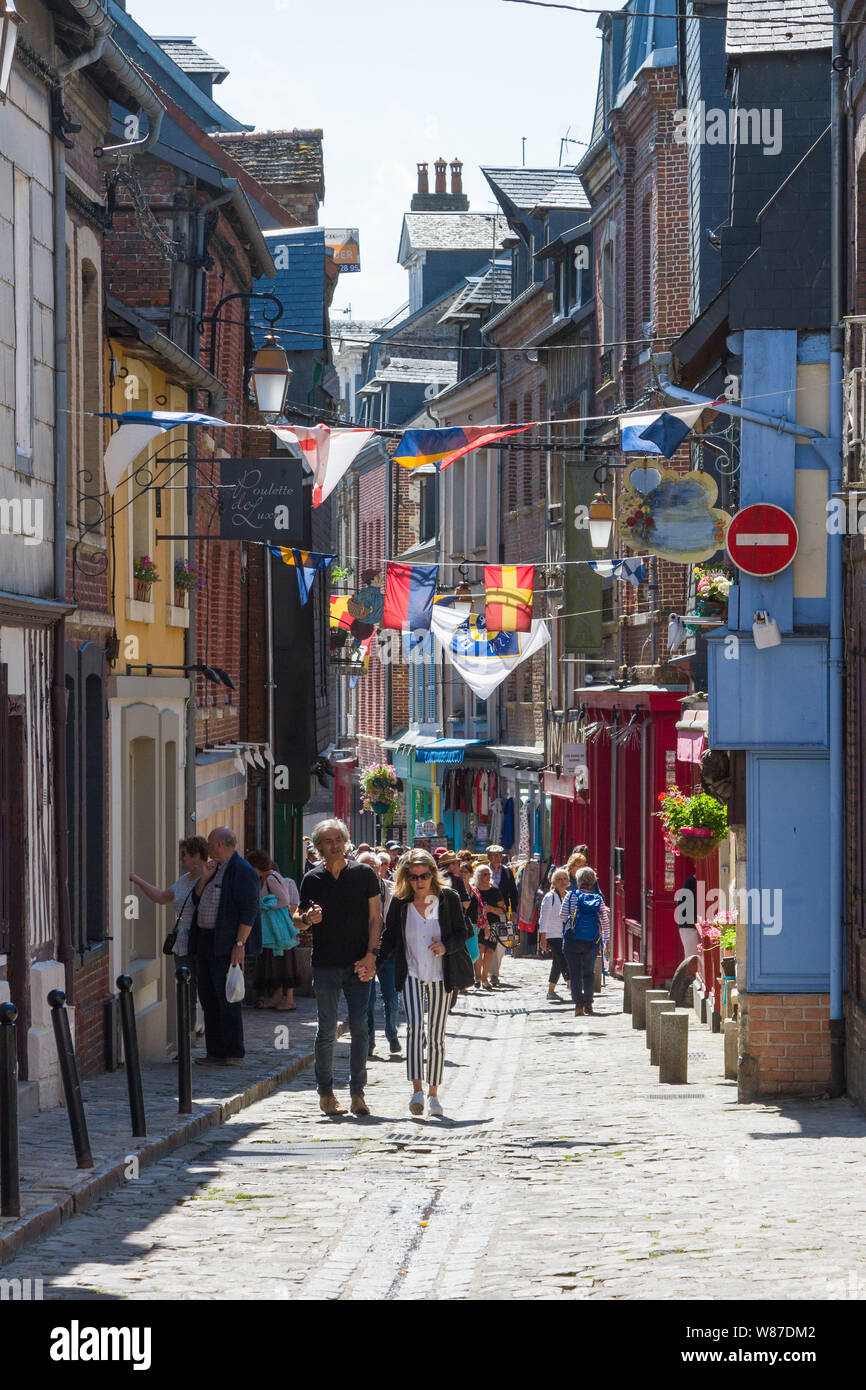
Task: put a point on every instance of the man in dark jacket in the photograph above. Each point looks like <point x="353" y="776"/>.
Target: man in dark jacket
<point x="227" y="928"/>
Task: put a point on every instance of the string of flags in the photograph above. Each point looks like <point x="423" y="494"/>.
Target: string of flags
<point x="631" y="569"/>
<point x="329" y="453"/>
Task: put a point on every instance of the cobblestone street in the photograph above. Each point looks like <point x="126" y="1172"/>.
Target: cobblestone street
<point x="561" y="1166"/>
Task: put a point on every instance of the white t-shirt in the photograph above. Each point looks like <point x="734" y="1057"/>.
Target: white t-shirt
<point x="423" y="963"/>
<point x="549" y="919"/>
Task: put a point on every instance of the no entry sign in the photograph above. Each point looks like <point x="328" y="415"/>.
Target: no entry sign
<point x="762" y="539"/>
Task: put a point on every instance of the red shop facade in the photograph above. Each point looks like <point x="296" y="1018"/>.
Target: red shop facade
<point x="632" y="755"/>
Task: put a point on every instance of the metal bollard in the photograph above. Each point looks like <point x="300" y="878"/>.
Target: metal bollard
<point x="69" y="1077"/>
<point x="10" y="1177"/>
<point x="131" y="1058"/>
<point x="183" y="975"/>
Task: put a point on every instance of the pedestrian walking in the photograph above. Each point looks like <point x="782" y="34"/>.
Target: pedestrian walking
<point x="461" y="877"/>
<point x="341" y="901"/>
<point x="487" y="910"/>
<point x="226" y="928"/>
<point x="581" y="917"/>
<point x="276" y="974"/>
<point x="502" y="877"/>
<point x="425" y="932"/>
<point x="385" y="971"/>
<point x="550" y="930"/>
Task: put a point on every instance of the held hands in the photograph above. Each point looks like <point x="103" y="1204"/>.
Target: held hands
<point x="365" y="968"/>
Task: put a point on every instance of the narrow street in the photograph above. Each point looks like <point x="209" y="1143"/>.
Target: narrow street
<point x="562" y="1169"/>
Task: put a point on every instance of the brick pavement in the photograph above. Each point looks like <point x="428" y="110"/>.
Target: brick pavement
<point x="562" y="1169"/>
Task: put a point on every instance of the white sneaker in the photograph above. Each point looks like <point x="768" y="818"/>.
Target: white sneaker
<point x="434" y="1106"/>
<point x="416" y="1104"/>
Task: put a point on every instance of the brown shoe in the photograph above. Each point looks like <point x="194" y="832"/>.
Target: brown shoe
<point x="578" y="1011"/>
<point x="587" y="1008"/>
<point x="359" y="1105"/>
<point x="329" y="1105"/>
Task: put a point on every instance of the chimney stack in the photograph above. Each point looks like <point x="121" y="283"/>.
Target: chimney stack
<point x="440" y="200"/>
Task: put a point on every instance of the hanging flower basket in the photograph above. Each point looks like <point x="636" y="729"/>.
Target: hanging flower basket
<point x="697" y="843"/>
<point x="142" y="591"/>
<point x="180" y="597"/>
<point x="381" y="807"/>
<point x="693" y="825"/>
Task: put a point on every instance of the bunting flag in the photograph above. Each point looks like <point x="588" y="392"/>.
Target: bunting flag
<point x="660" y="432"/>
<point x="328" y="453"/>
<point x="633" y="571"/>
<point x="307" y="565"/>
<point x="138" y="428"/>
<point x="441" y="447"/>
<point x="409" y="594"/>
<point x="339" y="615"/>
<point x="484" y="659"/>
<point x="508" y="597"/>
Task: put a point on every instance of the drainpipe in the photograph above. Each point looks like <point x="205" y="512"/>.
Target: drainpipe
<point x="834" y="462"/>
<point x="65" y="949"/>
<point x="190" y="635"/>
<point x="644" y="827"/>
<point x="94" y="15"/>
<point x="661" y="362"/>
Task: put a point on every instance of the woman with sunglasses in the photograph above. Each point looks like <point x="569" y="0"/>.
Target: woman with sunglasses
<point x="425" y="931"/>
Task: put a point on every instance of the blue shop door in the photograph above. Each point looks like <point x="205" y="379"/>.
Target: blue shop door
<point x="788" y="817"/>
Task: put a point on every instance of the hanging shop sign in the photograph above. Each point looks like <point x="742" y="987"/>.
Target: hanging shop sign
<point x="671" y="514"/>
<point x="581" y="623"/>
<point x="260" y="500"/>
<point x="342" y="242"/>
<point x="574" y="759"/>
<point x="762" y="539"/>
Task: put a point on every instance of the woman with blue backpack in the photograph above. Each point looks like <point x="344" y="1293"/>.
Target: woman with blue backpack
<point x="581" y="914"/>
<point x="276" y="976"/>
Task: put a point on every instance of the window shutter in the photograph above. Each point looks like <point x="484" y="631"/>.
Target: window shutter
<point x="512" y="455"/>
<point x="530" y="457"/>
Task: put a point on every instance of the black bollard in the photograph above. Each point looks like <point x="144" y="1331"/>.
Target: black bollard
<point x="184" y="1053"/>
<point x="69" y="1077"/>
<point x="131" y="1059"/>
<point x="10" y="1177"/>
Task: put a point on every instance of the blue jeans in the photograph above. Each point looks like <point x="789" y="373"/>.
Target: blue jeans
<point x="390" y="1003"/>
<point x="329" y="981"/>
<point x="580" y="959"/>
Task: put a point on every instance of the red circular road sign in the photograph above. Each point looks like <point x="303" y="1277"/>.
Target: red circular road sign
<point x="762" y="539"/>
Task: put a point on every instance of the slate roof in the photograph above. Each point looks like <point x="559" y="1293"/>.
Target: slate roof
<point x="356" y="332"/>
<point x="770" y="26"/>
<point x="527" y="189"/>
<point x="190" y="58"/>
<point x="279" y="156"/>
<point x="420" y="371"/>
<point x="299" y="284"/>
<point x="453" y="231"/>
<point x="493" y="287"/>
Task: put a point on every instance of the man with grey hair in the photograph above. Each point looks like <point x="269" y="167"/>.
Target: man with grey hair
<point x="341" y="902"/>
<point x="227" y="928"/>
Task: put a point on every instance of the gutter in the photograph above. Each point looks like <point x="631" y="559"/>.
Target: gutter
<point x="191" y="373"/>
<point x="661" y="362"/>
<point x="94" y="15"/>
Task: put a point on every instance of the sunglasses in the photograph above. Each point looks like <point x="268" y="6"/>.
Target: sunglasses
<point x="419" y="877"/>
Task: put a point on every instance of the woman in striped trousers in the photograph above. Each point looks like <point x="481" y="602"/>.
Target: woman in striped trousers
<point x="426" y="932"/>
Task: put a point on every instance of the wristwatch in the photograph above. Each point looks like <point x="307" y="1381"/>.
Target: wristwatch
<point x="240" y="943"/>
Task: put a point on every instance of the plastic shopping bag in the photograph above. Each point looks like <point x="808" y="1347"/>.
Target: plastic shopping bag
<point x="235" y="985"/>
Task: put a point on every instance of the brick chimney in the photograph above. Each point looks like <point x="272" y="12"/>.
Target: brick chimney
<point x="440" y="200"/>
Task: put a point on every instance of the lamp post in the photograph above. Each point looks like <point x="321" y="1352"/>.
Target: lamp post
<point x="9" y="21"/>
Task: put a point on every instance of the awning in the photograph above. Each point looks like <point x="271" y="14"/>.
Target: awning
<point x="692" y="735"/>
<point x="445" y="750"/>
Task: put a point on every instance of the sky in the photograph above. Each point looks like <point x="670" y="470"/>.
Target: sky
<point x="393" y="82"/>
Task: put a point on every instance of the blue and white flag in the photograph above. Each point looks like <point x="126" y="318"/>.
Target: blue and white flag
<point x="307" y="564"/>
<point x="138" y="428"/>
<point x="633" y="571"/>
<point x="658" y="432"/>
<point x="484" y="659"/>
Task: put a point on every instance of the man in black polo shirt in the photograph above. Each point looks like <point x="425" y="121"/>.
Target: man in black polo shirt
<point x="341" y="902"/>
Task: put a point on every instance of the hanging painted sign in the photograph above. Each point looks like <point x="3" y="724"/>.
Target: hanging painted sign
<point x="671" y="514"/>
<point x="260" y="500"/>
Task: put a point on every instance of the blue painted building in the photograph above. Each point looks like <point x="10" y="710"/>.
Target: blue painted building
<point x="776" y="710"/>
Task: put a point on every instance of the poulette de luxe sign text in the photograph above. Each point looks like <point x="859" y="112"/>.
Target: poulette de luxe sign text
<point x="261" y="500"/>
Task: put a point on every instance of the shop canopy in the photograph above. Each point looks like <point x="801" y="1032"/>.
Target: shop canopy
<point x="445" y="750"/>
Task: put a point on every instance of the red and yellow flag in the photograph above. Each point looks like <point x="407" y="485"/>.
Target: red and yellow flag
<point x="508" y="597"/>
<point x="339" y="617"/>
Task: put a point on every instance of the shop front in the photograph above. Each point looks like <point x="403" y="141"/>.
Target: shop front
<point x="632" y="752"/>
<point x="567" y="812"/>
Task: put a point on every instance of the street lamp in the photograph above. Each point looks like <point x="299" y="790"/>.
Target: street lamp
<point x="270" y="376"/>
<point x="9" y="21"/>
<point x="462" y="604"/>
<point x="600" y="515"/>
